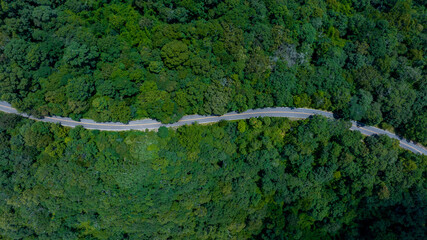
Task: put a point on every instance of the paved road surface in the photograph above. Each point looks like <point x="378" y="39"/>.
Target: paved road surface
<point x="265" y="112"/>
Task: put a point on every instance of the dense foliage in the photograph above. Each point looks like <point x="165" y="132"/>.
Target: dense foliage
<point x="116" y="60"/>
<point x="260" y="178"/>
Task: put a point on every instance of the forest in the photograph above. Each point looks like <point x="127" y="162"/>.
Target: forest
<point x="117" y="60"/>
<point x="262" y="178"/>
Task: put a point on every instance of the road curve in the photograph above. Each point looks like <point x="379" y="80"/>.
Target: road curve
<point x="265" y="112"/>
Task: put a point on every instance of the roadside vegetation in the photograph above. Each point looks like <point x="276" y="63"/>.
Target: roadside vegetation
<point x="116" y="60"/>
<point x="262" y="178"/>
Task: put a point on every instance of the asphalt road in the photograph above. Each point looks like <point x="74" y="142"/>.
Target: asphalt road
<point x="265" y="112"/>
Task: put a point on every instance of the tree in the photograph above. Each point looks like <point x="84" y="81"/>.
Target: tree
<point x="175" y="54"/>
<point x="79" y="55"/>
<point x="216" y="99"/>
<point x="321" y="101"/>
<point x="213" y="57"/>
<point x="163" y="132"/>
<point x="302" y="100"/>
<point x="242" y="126"/>
<point x="156" y="103"/>
<point x="360" y="105"/>
<point x="79" y="89"/>
<point x="278" y="179"/>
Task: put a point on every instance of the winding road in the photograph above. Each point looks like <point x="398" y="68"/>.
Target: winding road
<point x="265" y="112"/>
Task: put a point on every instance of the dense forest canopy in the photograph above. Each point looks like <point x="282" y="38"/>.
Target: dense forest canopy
<point x="261" y="178"/>
<point x="116" y="60"/>
<point x="267" y="178"/>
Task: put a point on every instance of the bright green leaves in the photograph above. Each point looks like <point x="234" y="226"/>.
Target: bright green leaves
<point x="106" y="109"/>
<point x="242" y="126"/>
<point x="302" y="100"/>
<point x="155" y="66"/>
<point x="334" y="34"/>
<point x="175" y="54"/>
<point x="155" y="103"/>
<point x="321" y="100"/>
<point x="343" y="7"/>
<point x="277" y="179"/>
<point x="142" y="148"/>
<point x="315" y="54"/>
<point x="200" y="66"/>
